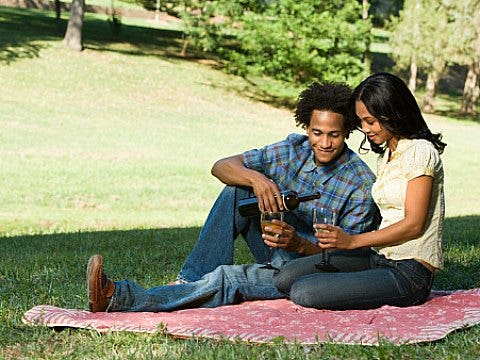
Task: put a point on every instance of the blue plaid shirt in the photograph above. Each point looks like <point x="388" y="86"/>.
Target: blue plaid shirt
<point x="344" y="185"/>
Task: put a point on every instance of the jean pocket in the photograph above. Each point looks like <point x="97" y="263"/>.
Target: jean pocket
<point x="420" y="279"/>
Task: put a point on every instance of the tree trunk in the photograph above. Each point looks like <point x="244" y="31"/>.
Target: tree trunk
<point x="430" y="87"/>
<point x="412" y="82"/>
<point x="73" y="35"/>
<point x="183" y="53"/>
<point x="471" y="90"/>
<point x="58" y="14"/>
<point x="157" y="11"/>
<point x="367" y="57"/>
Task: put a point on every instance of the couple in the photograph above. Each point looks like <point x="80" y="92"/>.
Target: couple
<point x="392" y="265"/>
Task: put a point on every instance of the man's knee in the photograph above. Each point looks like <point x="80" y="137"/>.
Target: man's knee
<point x="283" y="281"/>
<point x="234" y="193"/>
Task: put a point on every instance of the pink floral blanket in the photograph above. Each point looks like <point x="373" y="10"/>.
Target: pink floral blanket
<point x="271" y="320"/>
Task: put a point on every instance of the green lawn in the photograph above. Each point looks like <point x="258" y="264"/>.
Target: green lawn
<point x="109" y="151"/>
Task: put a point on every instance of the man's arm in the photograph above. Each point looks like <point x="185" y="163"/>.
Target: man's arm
<point x="232" y="171"/>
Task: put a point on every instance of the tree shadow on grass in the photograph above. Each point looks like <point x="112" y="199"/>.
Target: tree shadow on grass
<point x="50" y="269"/>
<point x="39" y="25"/>
<point x="462" y="254"/>
<point x="19" y="29"/>
<point x="449" y="101"/>
<point x="18" y="42"/>
<point x="453" y="112"/>
<point x="136" y="248"/>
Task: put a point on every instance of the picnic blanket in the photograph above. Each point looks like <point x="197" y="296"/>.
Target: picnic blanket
<point x="267" y="321"/>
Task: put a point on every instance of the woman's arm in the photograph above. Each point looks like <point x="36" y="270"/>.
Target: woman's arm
<point x="419" y="191"/>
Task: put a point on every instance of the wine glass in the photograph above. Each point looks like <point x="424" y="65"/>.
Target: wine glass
<point x="324" y="216"/>
<point x="266" y="220"/>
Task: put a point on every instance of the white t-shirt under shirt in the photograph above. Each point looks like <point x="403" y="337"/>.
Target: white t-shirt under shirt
<point x="411" y="159"/>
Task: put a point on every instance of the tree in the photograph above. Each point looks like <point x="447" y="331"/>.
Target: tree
<point x="466" y="39"/>
<point x="73" y="35"/>
<point x="421" y="38"/>
<point x="405" y="30"/>
<point x="381" y="10"/>
<point x="202" y="20"/>
<point x="58" y="13"/>
<point x="435" y="47"/>
<point x="303" y="41"/>
<point x="367" y="57"/>
<point x="296" y="41"/>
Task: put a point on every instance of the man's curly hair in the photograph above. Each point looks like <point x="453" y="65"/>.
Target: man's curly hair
<point x="329" y="97"/>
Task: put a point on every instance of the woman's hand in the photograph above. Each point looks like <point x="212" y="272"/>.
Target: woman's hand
<point x="332" y="237"/>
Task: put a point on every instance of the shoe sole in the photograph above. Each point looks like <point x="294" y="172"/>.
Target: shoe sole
<point x="94" y="264"/>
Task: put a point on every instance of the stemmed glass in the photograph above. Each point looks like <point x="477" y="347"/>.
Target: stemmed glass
<point x="266" y="220"/>
<point x="324" y="216"/>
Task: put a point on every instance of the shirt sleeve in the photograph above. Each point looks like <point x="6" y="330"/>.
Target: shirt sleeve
<point x="255" y="159"/>
<point x="360" y="214"/>
<point x="421" y="159"/>
<point x="272" y="159"/>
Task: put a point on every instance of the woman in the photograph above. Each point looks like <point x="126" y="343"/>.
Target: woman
<point x="394" y="265"/>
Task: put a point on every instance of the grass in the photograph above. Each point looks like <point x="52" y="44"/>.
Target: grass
<point x="108" y="151"/>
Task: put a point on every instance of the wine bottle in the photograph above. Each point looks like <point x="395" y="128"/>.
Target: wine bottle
<point x="248" y="207"/>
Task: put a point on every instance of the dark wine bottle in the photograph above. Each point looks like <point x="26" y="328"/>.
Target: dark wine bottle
<point x="248" y="207"/>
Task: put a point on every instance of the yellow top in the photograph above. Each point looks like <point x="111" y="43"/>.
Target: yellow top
<point x="411" y="159"/>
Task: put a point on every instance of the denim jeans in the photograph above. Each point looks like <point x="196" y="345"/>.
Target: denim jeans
<point x="215" y="244"/>
<point x="228" y="284"/>
<point x="365" y="280"/>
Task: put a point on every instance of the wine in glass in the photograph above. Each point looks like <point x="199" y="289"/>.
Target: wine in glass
<point x="324" y="216"/>
<point x="267" y="220"/>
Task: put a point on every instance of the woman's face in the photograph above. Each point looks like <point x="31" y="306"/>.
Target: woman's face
<point x="374" y="130"/>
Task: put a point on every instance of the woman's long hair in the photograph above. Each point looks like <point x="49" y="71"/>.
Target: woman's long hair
<point x="389" y="100"/>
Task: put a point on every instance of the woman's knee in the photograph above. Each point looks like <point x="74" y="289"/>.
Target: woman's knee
<point x="304" y="295"/>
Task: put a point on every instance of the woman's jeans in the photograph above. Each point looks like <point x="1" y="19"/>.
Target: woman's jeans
<point x="365" y="280"/>
<point x="215" y="244"/>
<point x="228" y="284"/>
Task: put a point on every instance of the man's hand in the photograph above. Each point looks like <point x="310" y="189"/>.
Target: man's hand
<point x="284" y="238"/>
<point x="232" y="171"/>
<point x="267" y="193"/>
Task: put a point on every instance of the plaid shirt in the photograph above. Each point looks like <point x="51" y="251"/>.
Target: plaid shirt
<point x="344" y="185"/>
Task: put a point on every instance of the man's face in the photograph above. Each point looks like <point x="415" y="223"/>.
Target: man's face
<point x="326" y="133"/>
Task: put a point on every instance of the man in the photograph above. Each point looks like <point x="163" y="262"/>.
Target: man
<point x="318" y="162"/>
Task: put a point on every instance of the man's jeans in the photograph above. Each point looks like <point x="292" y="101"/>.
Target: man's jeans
<point x="366" y="280"/>
<point x="228" y="284"/>
<point x="214" y="246"/>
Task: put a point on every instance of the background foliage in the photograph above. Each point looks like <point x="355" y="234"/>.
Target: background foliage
<point x="303" y="41"/>
<point x="294" y="41"/>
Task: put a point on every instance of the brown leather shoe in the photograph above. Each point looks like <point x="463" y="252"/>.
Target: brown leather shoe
<point x="100" y="287"/>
